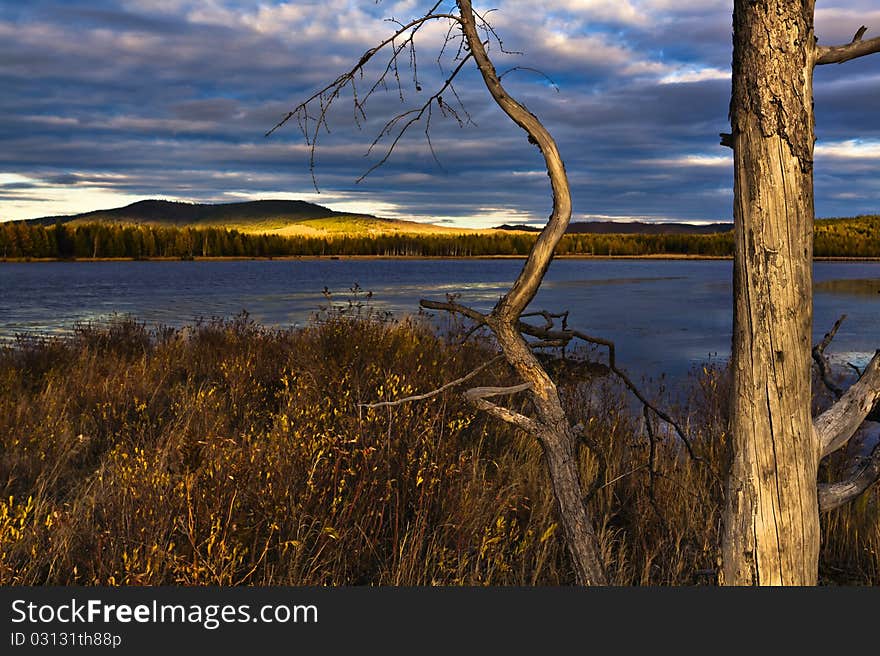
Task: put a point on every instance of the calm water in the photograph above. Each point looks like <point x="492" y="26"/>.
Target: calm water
<point x="665" y="316"/>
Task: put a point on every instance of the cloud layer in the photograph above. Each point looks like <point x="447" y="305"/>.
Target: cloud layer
<point x="107" y="102"/>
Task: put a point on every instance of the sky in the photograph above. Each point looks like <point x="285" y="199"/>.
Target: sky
<point x="105" y="103"/>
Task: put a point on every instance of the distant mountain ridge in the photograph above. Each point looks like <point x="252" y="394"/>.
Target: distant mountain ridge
<point x="299" y="217"/>
<point x="180" y="214"/>
<point x="632" y="228"/>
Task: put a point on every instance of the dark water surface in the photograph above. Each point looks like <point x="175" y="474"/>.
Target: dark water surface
<point x="665" y="315"/>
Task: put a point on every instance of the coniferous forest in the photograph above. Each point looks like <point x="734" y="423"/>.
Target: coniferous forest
<point x="855" y="237"/>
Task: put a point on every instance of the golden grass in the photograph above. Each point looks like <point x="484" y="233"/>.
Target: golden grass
<point x="228" y="453"/>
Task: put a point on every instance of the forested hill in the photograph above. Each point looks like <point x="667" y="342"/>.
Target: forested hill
<point x="285" y="217"/>
<point x="163" y="212"/>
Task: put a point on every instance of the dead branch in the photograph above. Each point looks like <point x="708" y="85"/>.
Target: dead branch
<point x="662" y="415"/>
<point x="822" y="362"/>
<point x="855" y="48"/>
<point x="549" y="317"/>
<point x="490" y="31"/>
<point x="477" y="397"/>
<point x="865" y="471"/>
<point x="409" y="118"/>
<point x="433" y="393"/>
<point x="455" y="308"/>
<point x="402" y="40"/>
<point x="857" y="371"/>
<point x="547" y="343"/>
<point x="835" y="426"/>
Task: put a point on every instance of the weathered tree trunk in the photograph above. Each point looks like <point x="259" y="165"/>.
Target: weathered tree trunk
<point x="558" y="441"/>
<point x="771" y="514"/>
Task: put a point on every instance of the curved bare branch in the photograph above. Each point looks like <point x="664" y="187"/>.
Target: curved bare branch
<point x="526" y="285"/>
<point x="343" y="80"/>
<point x="455" y="308"/>
<point x="411" y="117"/>
<point x="822" y="362"/>
<point x="401" y="40"/>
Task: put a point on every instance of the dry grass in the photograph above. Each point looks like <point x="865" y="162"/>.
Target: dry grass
<point x="228" y="453"/>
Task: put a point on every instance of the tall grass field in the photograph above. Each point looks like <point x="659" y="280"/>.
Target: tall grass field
<point x="227" y="453"/>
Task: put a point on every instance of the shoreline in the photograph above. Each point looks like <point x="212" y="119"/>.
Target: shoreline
<point x="293" y="258"/>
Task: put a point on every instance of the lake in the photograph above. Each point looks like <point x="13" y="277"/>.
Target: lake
<point x="666" y="316"/>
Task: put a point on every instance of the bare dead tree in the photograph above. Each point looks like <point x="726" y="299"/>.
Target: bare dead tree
<point x="468" y="37"/>
<point x="549" y="425"/>
<point x="771" y="530"/>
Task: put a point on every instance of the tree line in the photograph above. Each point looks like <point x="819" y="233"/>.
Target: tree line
<point x="858" y="237"/>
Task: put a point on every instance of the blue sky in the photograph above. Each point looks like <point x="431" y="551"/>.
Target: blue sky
<point x="105" y="103"/>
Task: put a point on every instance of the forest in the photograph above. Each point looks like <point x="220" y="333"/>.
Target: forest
<point x="850" y="237"/>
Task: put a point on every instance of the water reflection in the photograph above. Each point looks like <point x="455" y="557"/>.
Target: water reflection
<point x="853" y="287"/>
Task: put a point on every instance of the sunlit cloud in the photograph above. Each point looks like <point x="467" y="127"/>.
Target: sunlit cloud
<point x="22" y="197"/>
<point x="723" y="161"/>
<point x="852" y="149"/>
<point x="687" y="75"/>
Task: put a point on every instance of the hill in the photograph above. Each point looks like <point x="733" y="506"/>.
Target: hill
<point x="284" y="217"/>
<point x="298" y="218"/>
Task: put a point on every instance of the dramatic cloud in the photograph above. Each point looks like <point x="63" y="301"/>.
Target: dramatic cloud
<point x="106" y="102"/>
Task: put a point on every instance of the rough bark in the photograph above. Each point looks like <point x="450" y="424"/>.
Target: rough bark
<point x="771" y="517"/>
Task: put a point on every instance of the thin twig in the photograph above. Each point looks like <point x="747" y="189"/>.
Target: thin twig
<point x="532" y="70"/>
<point x="403" y="39"/>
